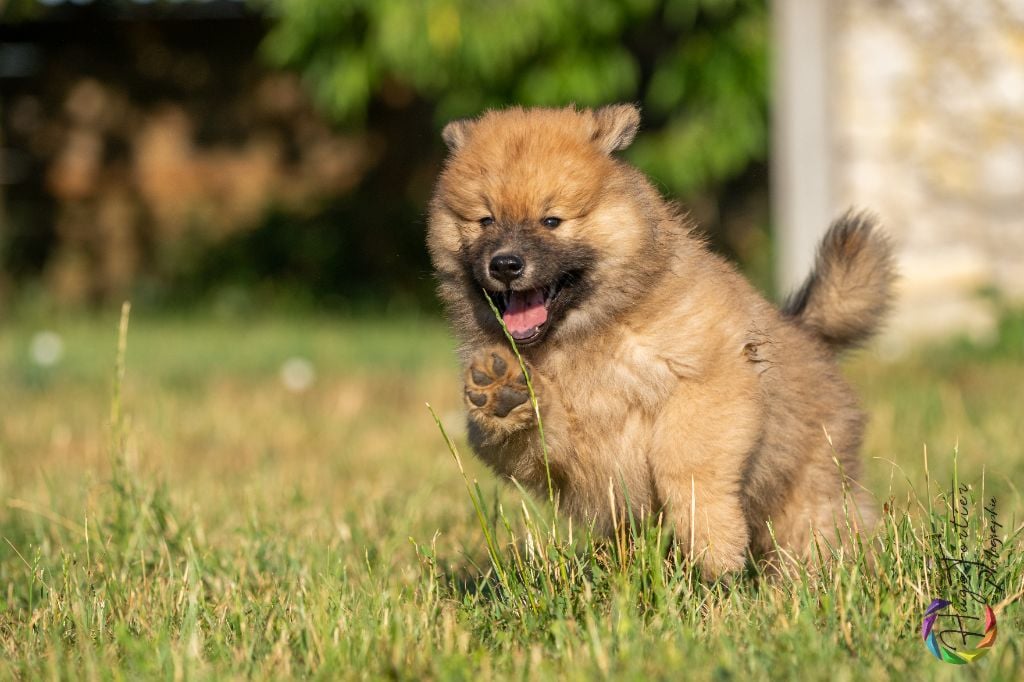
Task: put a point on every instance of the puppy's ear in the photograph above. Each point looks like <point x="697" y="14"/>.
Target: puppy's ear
<point x="615" y="126"/>
<point x="456" y="133"/>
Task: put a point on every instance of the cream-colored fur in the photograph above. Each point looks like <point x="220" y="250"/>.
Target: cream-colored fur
<point x="662" y="374"/>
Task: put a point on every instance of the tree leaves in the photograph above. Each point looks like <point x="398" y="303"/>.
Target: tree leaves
<point x="697" y="66"/>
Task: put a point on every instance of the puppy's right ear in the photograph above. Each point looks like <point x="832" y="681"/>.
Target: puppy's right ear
<point x="615" y="126"/>
<point x="456" y="133"/>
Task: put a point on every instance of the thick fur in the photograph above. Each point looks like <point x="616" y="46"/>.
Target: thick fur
<point x="847" y="294"/>
<point x="663" y="377"/>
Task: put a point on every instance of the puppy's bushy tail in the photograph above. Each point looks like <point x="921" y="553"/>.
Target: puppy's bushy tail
<point x="847" y="294"/>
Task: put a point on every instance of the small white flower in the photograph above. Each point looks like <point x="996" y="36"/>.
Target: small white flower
<point x="297" y="374"/>
<point x="46" y="349"/>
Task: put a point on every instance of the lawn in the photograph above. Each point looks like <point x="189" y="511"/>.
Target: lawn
<point x="270" y="497"/>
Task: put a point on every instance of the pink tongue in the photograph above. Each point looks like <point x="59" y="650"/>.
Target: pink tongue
<point x="525" y="312"/>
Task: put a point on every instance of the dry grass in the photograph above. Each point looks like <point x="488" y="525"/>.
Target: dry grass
<point x="229" y="527"/>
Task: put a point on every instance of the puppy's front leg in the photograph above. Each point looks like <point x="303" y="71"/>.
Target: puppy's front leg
<point x="496" y="393"/>
<point x="707" y="517"/>
<point x="698" y="459"/>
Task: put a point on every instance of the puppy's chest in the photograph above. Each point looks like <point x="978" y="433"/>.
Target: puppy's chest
<point x="602" y="390"/>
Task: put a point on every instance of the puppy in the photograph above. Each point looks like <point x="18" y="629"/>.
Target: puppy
<point x="666" y="383"/>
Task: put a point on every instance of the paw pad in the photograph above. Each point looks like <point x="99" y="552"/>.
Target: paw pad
<point x="495" y="384"/>
<point x="507" y="399"/>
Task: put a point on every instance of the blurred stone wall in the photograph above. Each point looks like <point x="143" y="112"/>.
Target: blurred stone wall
<point x="926" y="109"/>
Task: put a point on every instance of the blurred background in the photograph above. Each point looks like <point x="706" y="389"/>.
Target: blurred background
<point x="182" y="153"/>
<point x="280" y="152"/>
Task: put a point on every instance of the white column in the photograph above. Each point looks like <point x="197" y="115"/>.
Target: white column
<point x="801" y="182"/>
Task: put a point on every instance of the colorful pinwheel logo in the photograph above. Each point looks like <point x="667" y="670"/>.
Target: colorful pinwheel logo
<point x="946" y="653"/>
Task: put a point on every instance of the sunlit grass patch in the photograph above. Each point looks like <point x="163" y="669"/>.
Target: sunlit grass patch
<point x="219" y="525"/>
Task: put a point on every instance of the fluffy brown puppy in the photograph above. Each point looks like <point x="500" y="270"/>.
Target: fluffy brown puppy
<point x="661" y="374"/>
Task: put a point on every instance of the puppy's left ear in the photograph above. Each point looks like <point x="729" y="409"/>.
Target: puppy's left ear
<point x="456" y="133"/>
<point x="615" y="126"/>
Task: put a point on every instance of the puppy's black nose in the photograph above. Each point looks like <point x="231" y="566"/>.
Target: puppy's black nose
<point x="506" y="267"/>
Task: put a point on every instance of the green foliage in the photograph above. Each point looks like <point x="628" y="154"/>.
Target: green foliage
<point x="699" y="67"/>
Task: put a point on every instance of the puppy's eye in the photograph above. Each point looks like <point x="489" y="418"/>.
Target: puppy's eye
<point x="551" y="221"/>
<point x="486" y="222"/>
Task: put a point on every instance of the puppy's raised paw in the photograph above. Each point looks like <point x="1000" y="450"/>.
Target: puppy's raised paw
<point x="496" y="392"/>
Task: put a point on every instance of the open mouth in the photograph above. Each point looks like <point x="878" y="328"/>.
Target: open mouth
<point x="526" y="313"/>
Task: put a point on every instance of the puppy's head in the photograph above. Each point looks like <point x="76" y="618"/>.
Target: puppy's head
<point x="533" y="209"/>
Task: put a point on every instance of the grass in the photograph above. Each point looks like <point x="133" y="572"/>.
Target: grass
<point x="217" y="525"/>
